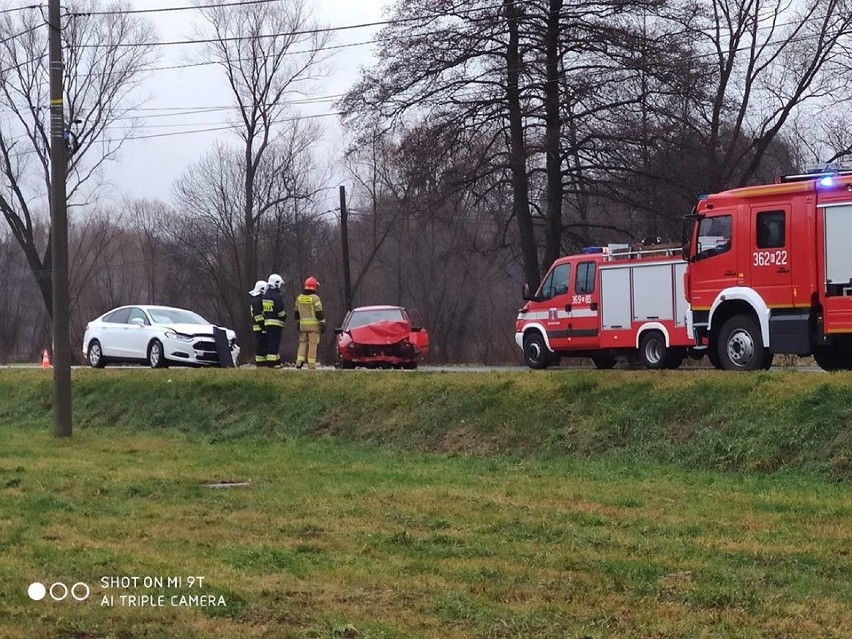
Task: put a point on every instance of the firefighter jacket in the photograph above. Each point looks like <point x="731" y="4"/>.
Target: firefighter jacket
<point x="309" y="313"/>
<point x="256" y="313"/>
<point x="273" y="308"/>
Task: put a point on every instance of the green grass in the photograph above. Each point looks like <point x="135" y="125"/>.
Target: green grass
<point x="432" y="505"/>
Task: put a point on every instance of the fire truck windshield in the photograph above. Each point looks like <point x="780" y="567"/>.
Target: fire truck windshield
<point x="714" y="236"/>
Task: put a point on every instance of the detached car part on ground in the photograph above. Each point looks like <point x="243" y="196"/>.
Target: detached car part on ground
<point x="381" y="337"/>
<point x="157" y="335"/>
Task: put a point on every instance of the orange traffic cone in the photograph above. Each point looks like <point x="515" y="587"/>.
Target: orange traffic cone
<point x="45" y="359"/>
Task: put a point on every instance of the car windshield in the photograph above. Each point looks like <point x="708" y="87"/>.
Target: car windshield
<point x="175" y="316"/>
<point x="362" y="318"/>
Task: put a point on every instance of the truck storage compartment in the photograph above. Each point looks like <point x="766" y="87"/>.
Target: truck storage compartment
<point x="838" y="256"/>
<point x="653" y="298"/>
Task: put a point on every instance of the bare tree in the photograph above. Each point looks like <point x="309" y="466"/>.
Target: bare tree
<point x="269" y="53"/>
<point x="106" y="55"/>
<point x="769" y="61"/>
<point x="211" y="233"/>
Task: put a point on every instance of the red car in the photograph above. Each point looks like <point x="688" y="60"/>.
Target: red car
<point x="381" y="336"/>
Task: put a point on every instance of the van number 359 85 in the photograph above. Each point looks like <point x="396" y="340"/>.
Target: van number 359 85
<point x="769" y="258"/>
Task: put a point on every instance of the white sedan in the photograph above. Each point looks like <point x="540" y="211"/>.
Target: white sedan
<point x="156" y="335"/>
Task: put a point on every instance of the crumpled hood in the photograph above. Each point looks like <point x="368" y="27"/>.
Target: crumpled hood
<point x="381" y="333"/>
<point x="196" y="329"/>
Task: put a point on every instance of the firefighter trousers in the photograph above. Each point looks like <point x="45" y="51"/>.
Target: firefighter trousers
<point x="273" y="345"/>
<point x="260" y="348"/>
<point x="308" y="340"/>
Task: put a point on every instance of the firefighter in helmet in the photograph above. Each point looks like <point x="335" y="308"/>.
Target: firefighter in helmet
<point x="274" y="316"/>
<point x="311" y="322"/>
<point x="257" y="326"/>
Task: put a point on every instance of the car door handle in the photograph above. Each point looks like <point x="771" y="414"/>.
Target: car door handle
<point x="730" y="274"/>
<point x="783" y="270"/>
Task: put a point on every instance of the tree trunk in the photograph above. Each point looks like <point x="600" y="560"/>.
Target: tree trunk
<point x="553" y="125"/>
<point x="517" y="150"/>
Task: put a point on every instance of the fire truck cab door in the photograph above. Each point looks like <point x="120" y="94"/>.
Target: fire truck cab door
<point x="584" y="322"/>
<point x="715" y="263"/>
<point x="553" y="305"/>
<point x="770" y="263"/>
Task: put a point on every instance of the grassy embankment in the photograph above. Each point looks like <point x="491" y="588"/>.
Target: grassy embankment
<point x="558" y="505"/>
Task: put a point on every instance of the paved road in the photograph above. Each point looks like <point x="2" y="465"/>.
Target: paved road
<point x="455" y="368"/>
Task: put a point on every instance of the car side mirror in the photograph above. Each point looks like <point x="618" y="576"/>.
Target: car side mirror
<point x="138" y="321"/>
<point x="415" y="328"/>
<point x="338" y="330"/>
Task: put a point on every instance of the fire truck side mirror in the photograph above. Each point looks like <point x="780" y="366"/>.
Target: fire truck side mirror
<point x="685" y="251"/>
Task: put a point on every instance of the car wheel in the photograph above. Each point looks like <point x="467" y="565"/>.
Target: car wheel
<point x="653" y="351"/>
<point x="536" y="354"/>
<point x="156" y="357"/>
<point x="96" y="355"/>
<point x="410" y="366"/>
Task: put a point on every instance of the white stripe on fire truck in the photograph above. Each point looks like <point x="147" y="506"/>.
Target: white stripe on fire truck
<point x="560" y="314"/>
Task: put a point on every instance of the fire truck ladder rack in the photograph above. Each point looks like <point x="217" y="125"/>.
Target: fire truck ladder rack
<point x="636" y="252"/>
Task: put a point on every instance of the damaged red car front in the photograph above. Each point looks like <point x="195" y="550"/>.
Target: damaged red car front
<point x="382" y="336"/>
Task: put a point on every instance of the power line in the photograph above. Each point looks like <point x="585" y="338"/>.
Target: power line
<point x="32" y="6"/>
<point x="302" y="32"/>
<point x="18" y="35"/>
<point x="197" y="110"/>
<point x="225" y="127"/>
<point x="207" y="63"/>
<point x="185" y="124"/>
<point x="306" y="100"/>
<point x="77" y="14"/>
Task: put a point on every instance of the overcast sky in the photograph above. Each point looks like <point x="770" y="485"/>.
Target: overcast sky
<point x="147" y="168"/>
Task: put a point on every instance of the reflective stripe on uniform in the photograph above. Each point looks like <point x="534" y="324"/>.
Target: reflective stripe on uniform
<point x="307" y="307"/>
<point x="274" y="322"/>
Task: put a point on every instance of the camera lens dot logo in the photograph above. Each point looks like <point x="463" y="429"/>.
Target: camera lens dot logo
<point x="36" y="591"/>
<point x="59" y="591"/>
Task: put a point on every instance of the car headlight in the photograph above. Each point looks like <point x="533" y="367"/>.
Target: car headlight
<point x="178" y="336"/>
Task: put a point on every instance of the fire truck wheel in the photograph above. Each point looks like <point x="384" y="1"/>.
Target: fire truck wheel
<point x="653" y="350"/>
<point x="830" y="358"/>
<point x="713" y="356"/>
<point x="536" y="354"/>
<point x="603" y="361"/>
<point x="741" y="345"/>
<point x="675" y="357"/>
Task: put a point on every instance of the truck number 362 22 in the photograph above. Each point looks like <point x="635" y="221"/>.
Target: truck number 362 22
<point x="769" y="258"/>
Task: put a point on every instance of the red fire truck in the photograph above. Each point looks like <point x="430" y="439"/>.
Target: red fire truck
<point x="770" y="271"/>
<point x="606" y="302"/>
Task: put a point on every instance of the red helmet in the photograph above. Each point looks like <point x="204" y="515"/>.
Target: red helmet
<point x="311" y="284"/>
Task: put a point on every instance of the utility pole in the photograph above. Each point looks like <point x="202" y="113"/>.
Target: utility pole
<point x="59" y="233"/>
<point x="344" y="238"/>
